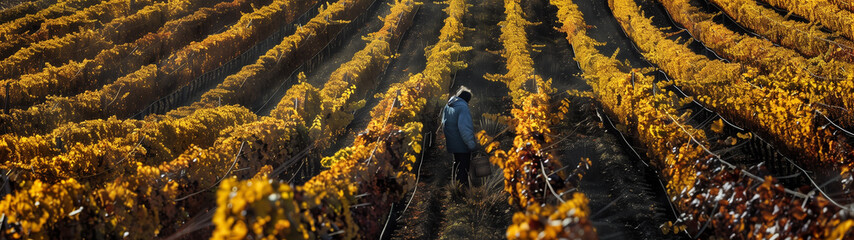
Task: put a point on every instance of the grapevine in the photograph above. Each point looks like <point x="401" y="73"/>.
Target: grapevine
<point x="794" y="73"/>
<point x="822" y="11"/>
<point x="787" y="120"/>
<point x="698" y="183"/>
<point x="241" y="86"/>
<point x="121" y="59"/>
<point x="130" y="93"/>
<point x="269" y="140"/>
<point x="569" y="220"/>
<point x="24" y="8"/>
<point x="847" y="5"/>
<point x="803" y="37"/>
<point x="157" y="195"/>
<point x="530" y="93"/>
<point x="63" y="47"/>
<point x="526" y="165"/>
<point x="101" y="11"/>
<point x="17" y="149"/>
<point x="753" y="144"/>
<point x="343" y="92"/>
<point x="12" y="34"/>
<point x="62" y="199"/>
<point x="150" y="143"/>
<point x="381" y="159"/>
<point x="88" y="18"/>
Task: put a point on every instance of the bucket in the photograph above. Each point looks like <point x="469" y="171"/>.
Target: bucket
<point x="481" y="166"/>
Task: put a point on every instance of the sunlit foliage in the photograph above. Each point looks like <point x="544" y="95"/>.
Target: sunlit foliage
<point x="75" y="77"/>
<point x="365" y="178"/>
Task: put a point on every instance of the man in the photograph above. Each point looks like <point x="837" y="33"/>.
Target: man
<point x="459" y="132"/>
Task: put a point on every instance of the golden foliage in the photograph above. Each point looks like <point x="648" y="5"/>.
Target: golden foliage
<point x="158" y="195"/>
<point x="163" y="140"/>
<point x="696" y="182"/>
<point x="271" y="211"/>
<point x="101" y="13"/>
<point x="806" y="38"/>
<point x="119" y="59"/>
<point x="165" y="181"/>
<point x="791" y="72"/>
<point x="533" y="116"/>
<point x="365" y="178"/>
<point x="847" y="5"/>
<point x="60" y="46"/>
<point x="17" y="149"/>
<point x="568" y="220"/>
<point x="199" y="57"/>
<point x="725" y="87"/>
<point x="240" y="87"/>
<point x="59" y="40"/>
<point x="324" y="205"/>
<point x="22" y="9"/>
<point x="127" y="93"/>
<point x="822" y="11"/>
<point x="133" y="92"/>
<point x="525" y="165"/>
<point x="40" y="206"/>
<point x="520" y="77"/>
<point x="13" y="34"/>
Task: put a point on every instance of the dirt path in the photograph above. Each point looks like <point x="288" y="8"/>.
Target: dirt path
<point x="439" y="210"/>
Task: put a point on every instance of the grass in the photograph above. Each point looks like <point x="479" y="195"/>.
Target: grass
<point x="478" y="212"/>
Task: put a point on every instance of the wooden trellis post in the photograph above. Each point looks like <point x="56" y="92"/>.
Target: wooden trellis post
<point x="6" y="100"/>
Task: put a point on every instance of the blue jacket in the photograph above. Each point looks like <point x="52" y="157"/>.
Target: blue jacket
<point x="458" y="127"/>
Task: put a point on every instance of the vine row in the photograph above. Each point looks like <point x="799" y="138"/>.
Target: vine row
<point x="806" y="38"/>
<point x="170" y="192"/>
<point x="131" y="93"/>
<point x="702" y="186"/>
<point x="49" y="22"/>
<point x="824" y="84"/>
<point x="791" y="123"/>
<point x="823" y="11"/>
<point x="87" y="42"/>
<point x="847" y="5"/>
<point x="243" y="87"/>
<point x="24" y="8"/>
<point x="14" y="31"/>
<point x="149" y="143"/>
<point x="75" y="77"/>
<point x="529" y="167"/>
<point x="568" y="220"/>
<point x="363" y="179"/>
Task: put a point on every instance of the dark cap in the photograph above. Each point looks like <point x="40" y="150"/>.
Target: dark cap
<point x="464" y="93"/>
